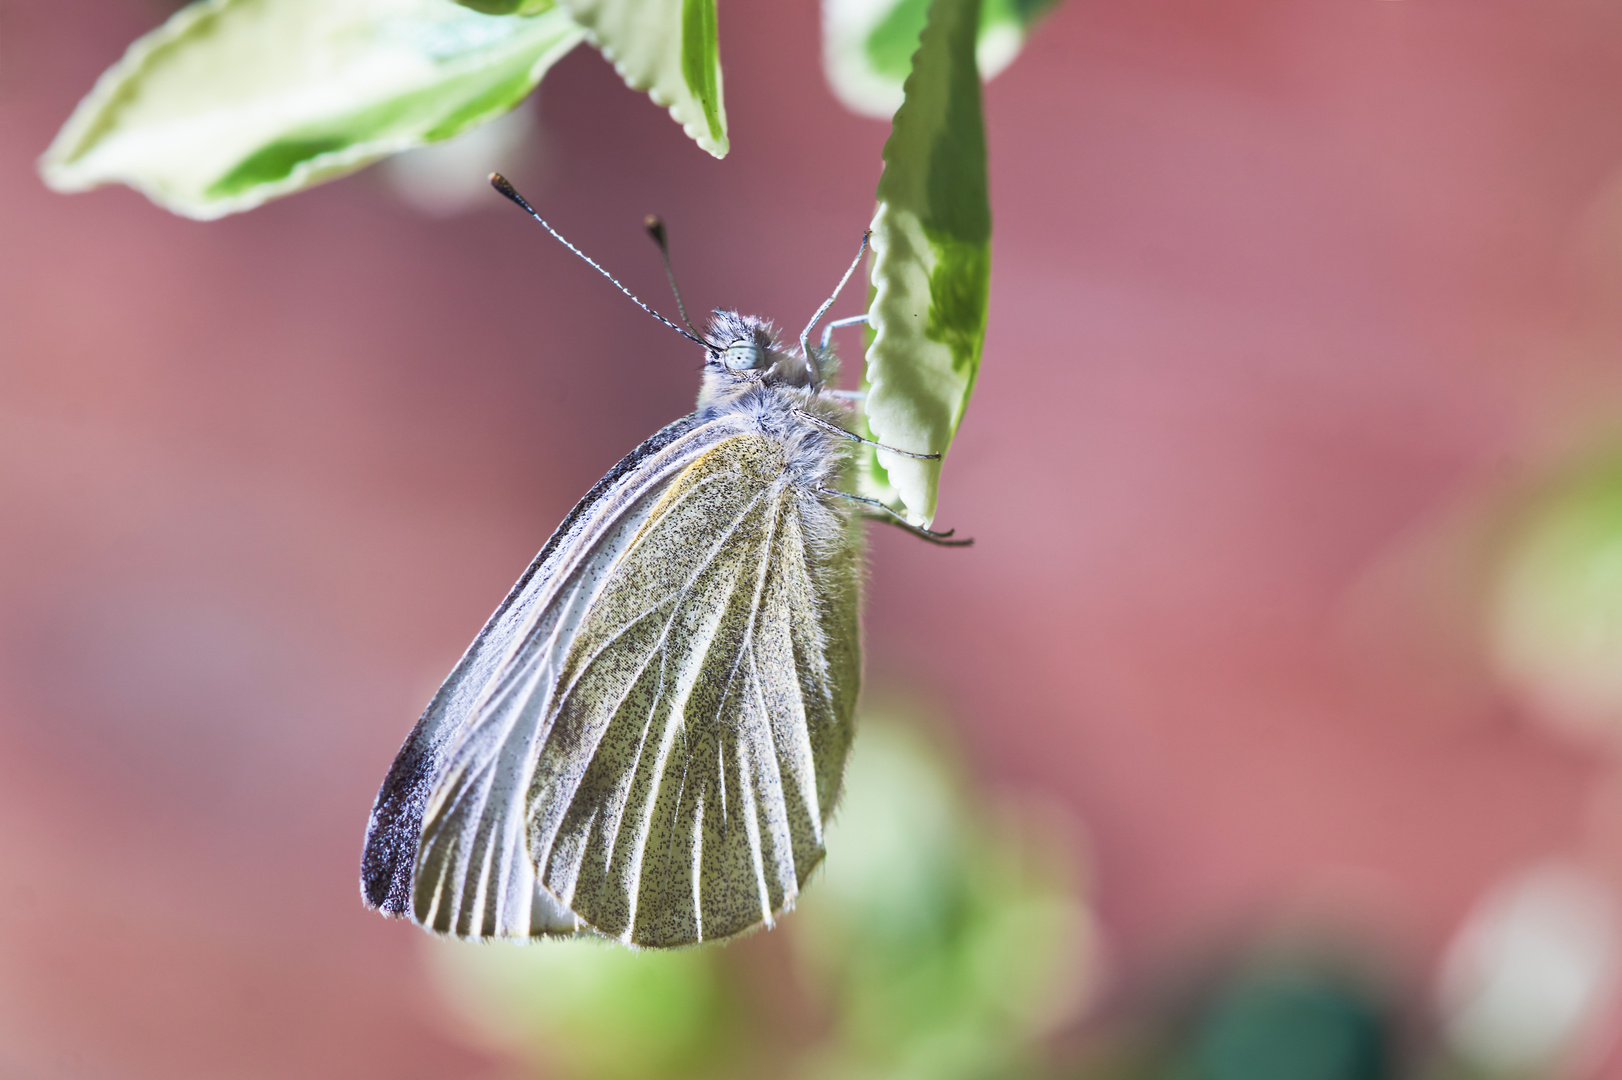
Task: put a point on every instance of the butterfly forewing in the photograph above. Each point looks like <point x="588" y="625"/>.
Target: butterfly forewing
<point x="683" y="784"/>
<point x="445" y="843"/>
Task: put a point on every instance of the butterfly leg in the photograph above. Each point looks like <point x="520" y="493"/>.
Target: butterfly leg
<point x="837" y="430"/>
<point x="849" y="396"/>
<point x="922" y="534"/>
<point x="828" y="331"/>
<point x="890" y="517"/>
<point x="805" y="335"/>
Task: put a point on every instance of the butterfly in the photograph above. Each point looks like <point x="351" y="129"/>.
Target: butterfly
<point x="647" y="738"/>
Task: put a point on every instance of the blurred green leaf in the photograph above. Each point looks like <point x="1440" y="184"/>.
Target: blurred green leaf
<point x="1557" y="603"/>
<point x="931" y="266"/>
<point x="233" y="102"/>
<point x="868" y="45"/>
<point x="588" y="1008"/>
<point x="946" y="936"/>
<point x="1289" y="1024"/>
<point x="670" y="49"/>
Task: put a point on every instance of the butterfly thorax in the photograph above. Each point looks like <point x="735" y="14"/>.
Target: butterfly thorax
<point x="751" y="378"/>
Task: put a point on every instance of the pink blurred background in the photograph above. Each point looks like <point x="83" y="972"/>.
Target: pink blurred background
<point x="1278" y="288"/>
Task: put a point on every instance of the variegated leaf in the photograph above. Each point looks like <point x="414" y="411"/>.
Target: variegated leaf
<point x="931" y="266"/>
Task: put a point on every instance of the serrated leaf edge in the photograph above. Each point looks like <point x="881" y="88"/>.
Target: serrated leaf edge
<point x="900" y="290"/>
<point x="57" y="172"/>
<point x="698" y="131"/>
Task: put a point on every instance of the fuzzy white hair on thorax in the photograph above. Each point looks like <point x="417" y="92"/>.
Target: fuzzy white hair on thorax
<point x="773" y="398"/>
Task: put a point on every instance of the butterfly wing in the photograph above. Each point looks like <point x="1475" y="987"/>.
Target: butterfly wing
<point x="478" y="735"/>
<point x="704" y="712"/>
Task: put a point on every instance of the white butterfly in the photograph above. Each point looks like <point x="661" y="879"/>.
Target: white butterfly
<point x="648" y="736"/>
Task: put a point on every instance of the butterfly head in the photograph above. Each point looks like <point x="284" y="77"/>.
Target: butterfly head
<point x="743" y="349"/>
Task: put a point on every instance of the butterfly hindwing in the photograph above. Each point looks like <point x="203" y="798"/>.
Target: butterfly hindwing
<point x="703" y="714"/>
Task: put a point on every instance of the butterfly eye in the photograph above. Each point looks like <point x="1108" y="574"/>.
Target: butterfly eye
<point x="743" y="355"/>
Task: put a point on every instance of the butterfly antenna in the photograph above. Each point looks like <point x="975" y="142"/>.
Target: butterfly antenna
<point x="805" y="335"/>
<point x="656" y="229"/>
<point x="500" y="183"/>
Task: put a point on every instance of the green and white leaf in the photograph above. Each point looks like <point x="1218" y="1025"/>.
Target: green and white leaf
<point x="931" y="267"/>
<point x="507" y="7"/>
<point x="670" y="49"/>
<point x="867" y="45"/>
<point x="234" y="102"/>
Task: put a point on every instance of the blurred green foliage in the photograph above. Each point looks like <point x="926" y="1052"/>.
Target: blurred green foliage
<point x="945" y="938"/>
<point x="1260" y="1016"/>
<point x="592" y="1009"/>
<point x="1288" y="1024"/>
<point x="1557" y="598"/>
